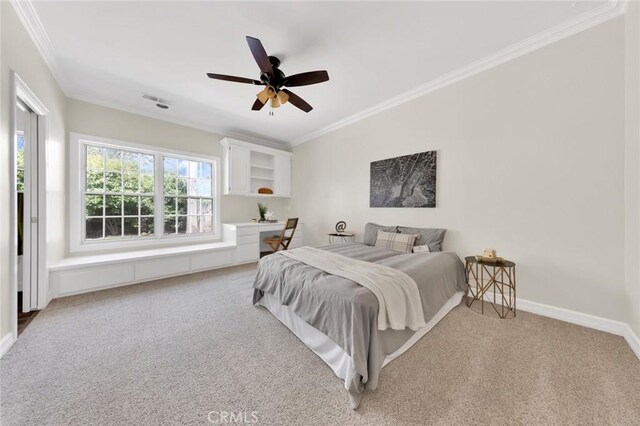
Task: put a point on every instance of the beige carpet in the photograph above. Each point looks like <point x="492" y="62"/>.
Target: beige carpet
<point x="171" y="351"/>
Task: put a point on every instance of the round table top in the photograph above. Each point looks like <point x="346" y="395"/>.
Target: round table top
<point x="342" y="234"/>
<point x="505" y="262"/>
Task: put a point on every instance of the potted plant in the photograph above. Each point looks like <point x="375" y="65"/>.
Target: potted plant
<point x="262" y="209"/>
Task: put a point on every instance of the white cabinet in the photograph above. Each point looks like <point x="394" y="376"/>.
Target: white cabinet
<point x="248" y="168"/>
<point x="283" y="175"/>
<point x="249" y="238"/>
<point x="237" y="170"/>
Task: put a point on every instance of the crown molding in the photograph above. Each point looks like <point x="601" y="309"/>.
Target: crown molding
<point x="610" y="10"/>
<point x="31" y="22"/>
<point x="160" y="117"/>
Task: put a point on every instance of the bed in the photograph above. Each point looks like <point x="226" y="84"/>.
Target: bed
<point x="338" y="319"/>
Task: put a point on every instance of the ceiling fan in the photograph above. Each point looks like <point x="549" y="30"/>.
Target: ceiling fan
<point x="275" y="80"/>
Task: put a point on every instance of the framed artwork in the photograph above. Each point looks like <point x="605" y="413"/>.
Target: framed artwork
<point x="407" y="181"/>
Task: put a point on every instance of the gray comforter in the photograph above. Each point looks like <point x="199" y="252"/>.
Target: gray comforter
<point x="347" y="312"/>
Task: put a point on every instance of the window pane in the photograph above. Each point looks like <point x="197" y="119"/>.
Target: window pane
<point x="93" y="228"/>
<point x="194" y="224"/>
<point x="146" y="184"/>
<point x="203" y="188"/>
<point x="182" y="206"/>
<point x="193" y="206"/>
<point x="114" y="160"/>
<point x="130" y="183"/>
<point x="131" y="162"/>
<point x="146" y="205"/>
<point x="94" y="205"/>
<point x="131" y="226"/>
<point x="146" y="164"/>
<point x="113" y="205"/>
<point x="113" y="182"/>
<point x="110" y="173"/>
<point x="204" y="170"/>
<point x="182" y="186"/>
<point x="146" y="226"/>
<point x="170" y="225"/>
<point x="20" y="180"/>
<point x="130" y="206"/>
<point x="183" y="168"/>
<point x="207" y="206"/>
<point x="207" y="223"/>
<point x="182" y="224"/>
<point x="169" y="206"/>
<point x="95" y="158"/>
<point x="95" y="181"/>
<point x="170" y="166"/>
<point x="113" y="227"/>
<point x="170" y="185"/>
<point x="192" y="187"/>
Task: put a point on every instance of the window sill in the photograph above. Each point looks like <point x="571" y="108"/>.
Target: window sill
<point x="82" y="261"/>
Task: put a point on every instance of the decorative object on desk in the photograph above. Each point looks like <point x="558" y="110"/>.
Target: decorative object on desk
<point x="262" y="209"/>
<point x="254" y="220"/>
<point x="268" y="191"/>
<point x="407" y="181"/>
<point x="268" y="217"/>
<point x="489" y="256"/>
<point x="341" y="226"/>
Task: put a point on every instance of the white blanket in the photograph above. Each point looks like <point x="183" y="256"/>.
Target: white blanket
<point x="398" y="297"/>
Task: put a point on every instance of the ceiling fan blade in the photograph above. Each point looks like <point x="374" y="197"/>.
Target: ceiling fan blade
<point x="232" y="78"/>
<point x="260" y="55"/>
<point x="306" y="78"/>
<point x="257" y="105"/>
<point x="297" y="101"/>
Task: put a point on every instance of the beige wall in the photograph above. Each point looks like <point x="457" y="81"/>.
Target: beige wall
<point x="19" y="54"/>
<point x="96" y="120"/>
<point x="632" y="165"/>
<point x="530" y="161"/>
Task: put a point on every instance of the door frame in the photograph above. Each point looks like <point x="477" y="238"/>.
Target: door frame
<point x="19" y="89"/>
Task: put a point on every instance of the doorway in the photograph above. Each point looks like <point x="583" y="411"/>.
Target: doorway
<point x="26" y="191"/>
<point x="28" y="206"/>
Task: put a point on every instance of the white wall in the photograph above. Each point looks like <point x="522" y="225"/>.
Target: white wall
<point x="632" y="165"/>
<point x="96" y="120"/>
<point x="18" y="53"/>
<point x="530" y="161"/>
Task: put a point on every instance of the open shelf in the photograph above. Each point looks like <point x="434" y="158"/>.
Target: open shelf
<point x="262" y="178"/>
<point x="262" y="167"/>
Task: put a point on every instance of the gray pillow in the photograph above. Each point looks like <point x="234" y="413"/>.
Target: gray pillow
<point x="371" y="232"/>
<point x="428" y="236"/>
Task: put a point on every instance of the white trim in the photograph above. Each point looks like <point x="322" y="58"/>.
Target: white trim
<point x="30" y="20"/>
<point x="76" y="179"/>
<point x="606" y="325"/>
<point x="598" y="15"/>
<point x="5" y="343"/>
<point x="270" y="143"/>
<point x="633" y="340"/>
<point x="19" y="89"/>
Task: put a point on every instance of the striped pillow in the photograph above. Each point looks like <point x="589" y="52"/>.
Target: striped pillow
<point x="396" y="242"/>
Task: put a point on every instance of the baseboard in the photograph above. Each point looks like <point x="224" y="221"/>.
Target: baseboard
<point x="618" y="328"/>
<point x="633" y="340"/>
<point x="5" y="343"/>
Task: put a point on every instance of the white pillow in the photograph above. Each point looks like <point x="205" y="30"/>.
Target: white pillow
<point x="396" y="242"/>
<point x="421" y="249"/>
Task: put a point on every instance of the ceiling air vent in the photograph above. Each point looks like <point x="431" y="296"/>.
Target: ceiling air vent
<point x="160" y="103"/>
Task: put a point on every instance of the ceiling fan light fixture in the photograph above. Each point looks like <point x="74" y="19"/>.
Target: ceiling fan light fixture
<point x="275" y="102"/>
<point x="266" y="94"/>
<point x="283" y="97"/>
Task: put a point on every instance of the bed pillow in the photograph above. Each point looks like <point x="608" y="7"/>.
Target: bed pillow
<point x="396" y="242"/>
<point x="428" y="236"/>
<point x="371" y="232"/>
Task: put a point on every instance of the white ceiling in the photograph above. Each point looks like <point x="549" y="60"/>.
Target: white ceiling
<point x="111" y="53"/>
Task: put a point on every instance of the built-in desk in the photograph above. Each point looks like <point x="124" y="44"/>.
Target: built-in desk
<point x="249" y="238"/>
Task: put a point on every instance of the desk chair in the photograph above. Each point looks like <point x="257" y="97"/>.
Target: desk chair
<point x="283" y="239"/>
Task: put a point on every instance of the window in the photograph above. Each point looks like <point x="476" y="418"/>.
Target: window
<point x="128" y="195"/>
<point x="20" y="161"/>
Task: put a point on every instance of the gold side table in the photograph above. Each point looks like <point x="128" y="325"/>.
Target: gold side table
<point x="482" y="277"/>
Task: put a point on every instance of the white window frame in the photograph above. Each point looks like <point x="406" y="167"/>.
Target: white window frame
<point x="77" y="177"/>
